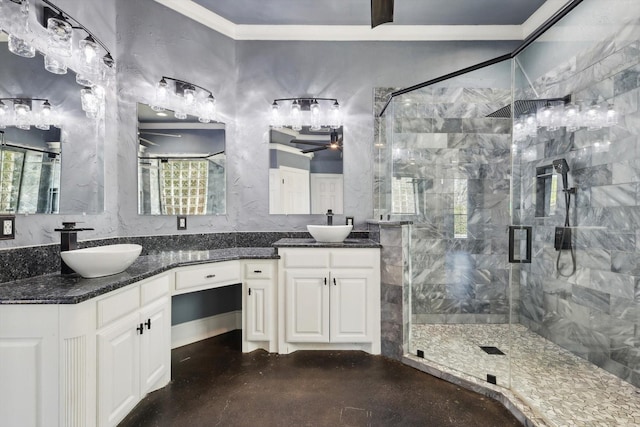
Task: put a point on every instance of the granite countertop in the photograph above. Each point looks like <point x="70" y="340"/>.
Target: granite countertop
<point x="311" y="243"/>
<point x="73" y="289"/>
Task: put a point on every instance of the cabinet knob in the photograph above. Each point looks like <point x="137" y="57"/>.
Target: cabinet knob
<point x="209" y="276"/>
<point x="140" y="329"/>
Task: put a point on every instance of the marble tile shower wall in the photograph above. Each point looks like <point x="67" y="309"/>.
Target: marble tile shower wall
<point x="594" y="313"/>
<point x="440" y="136"/>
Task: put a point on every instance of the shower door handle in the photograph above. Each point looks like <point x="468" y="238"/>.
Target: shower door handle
<point x="515" y="250"/>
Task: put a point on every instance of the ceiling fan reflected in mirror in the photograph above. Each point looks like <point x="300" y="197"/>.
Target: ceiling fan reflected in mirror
<point x="381" y="12"/>
<point x="334" y="143"/>
<point x="146" y="141"/>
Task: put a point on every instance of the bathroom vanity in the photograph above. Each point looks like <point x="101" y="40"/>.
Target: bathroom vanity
<point x="78" y="352"/>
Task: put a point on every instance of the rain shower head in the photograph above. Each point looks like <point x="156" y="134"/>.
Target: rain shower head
<point x="562" y="167"/>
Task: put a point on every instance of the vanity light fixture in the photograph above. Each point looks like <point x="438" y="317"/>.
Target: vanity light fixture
<point x="184" y="98"/>
<point x="26" y="112"/>
<point x="306" y="112"/>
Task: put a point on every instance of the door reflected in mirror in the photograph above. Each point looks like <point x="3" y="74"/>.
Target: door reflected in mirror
<point x="29" y="170"/>
<point x="181" y="165"/>
<point x="305" y="171"/>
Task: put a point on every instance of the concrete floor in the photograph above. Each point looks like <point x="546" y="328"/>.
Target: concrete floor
<point x="215" y="384"/>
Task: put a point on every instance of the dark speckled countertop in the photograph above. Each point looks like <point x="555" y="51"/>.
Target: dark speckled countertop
<point x="73" y="289"/>
<point x="311" y="243"/>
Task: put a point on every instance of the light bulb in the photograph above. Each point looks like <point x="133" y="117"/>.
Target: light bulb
<point x="89" y="49"/>
<point x="60" y="33"/>
<point x="21" y="109"/>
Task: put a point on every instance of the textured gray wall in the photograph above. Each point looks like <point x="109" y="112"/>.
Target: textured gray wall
<point x="245" y="76"/>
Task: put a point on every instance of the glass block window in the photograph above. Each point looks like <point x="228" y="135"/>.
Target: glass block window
<point x="404" y="196"/>
<point x="184" y="187"/>
<point x="11" y="163"/>
<point x="460" y="208"/>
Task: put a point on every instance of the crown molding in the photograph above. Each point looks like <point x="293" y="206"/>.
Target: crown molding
<point x="363" y="32"/>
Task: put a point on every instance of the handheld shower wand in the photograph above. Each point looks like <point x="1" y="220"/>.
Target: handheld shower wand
<point x="563" y="234"/>
<point x="562" y="167"/>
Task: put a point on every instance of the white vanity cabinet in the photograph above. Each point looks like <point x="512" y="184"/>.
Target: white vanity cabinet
<point x="330" y="299"/>
<point x="133" y="346"/>
<point x="259" y="319"/>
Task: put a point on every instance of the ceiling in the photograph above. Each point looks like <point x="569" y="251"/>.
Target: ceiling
<point x="350" y="19"/>
<point x="358" y="12"/>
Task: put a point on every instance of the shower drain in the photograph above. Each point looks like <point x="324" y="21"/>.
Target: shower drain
<point x="492" y="350"/>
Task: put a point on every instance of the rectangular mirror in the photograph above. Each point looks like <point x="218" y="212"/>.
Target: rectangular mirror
<point x="33" y="177"/>
<point x="305" y="171"/>
<point x="181" y="165"/>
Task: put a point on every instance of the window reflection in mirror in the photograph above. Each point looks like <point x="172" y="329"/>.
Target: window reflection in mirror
<point x="29" y="170"/>
<point x="181" y="165"/>
<point x="305" y="171"/>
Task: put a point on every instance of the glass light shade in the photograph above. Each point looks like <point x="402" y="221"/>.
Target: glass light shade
<point x="612" y="116"/>
<point x="89" y="49"/>
<point x="54" y="66"/>
<point x="20" y="47"/>
<point x="161" y="90"/>
<point x="276" y="118"/>
<point x="60" y="34"/>
<point x="46" y="109"/>
<point x="43" y="126"/>
<point x="335" y="119"/>
<point x="571" y="117"/>
<point x="189" y="96"/>
<point x="21" y="109"/>
<point x="180" y="115"/>
<point x="4" y="108"/>
<point x="204" y="119"/>
<point x="296" y="116"/>
<point x="83" y="80"/>
<point x="544" y="116"/>
<point x="157" y="108"/>
<point x="592" y="117"/>
<point x="90" y="102"/>
<point x="315" y="115"/>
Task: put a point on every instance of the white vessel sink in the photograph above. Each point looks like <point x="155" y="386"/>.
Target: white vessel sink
<point x="329" y="233"/>
<point x="101" y="260"/>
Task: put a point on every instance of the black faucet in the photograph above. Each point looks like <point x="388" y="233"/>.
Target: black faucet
<point x="329" y="217"/>
<point x="68" y="242"/>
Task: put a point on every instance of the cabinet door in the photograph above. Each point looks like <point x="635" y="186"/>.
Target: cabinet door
<point x="259" y="310"/>
<point x="29" y="365"/>
<point x="351" y="306"/>
<point x="307" y="305"/>
<point x="155" y="349"/>
<point x="118" y="369"/>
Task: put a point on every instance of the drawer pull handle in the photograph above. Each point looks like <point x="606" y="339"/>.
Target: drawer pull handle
<point x="257" y="271"/>
<point x="325" y="281"/>
<point x="209" y="276"/>
<point x="148" y="323"/>
<point x="249" y="291"/>
<point x="334" y="282"/>
<point x="140" y="329"/>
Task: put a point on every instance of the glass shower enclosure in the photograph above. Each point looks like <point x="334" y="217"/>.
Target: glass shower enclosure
<point x="521" y="180"/>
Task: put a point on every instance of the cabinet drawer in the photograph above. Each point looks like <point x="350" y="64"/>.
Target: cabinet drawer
<point x="305" y="258"/>
<point x="154" y="289"/>
<point x="258" y="270"/>
<point x="115" y="306"/>
<point x="355" y="258"/>
<point x="210" y="276"/>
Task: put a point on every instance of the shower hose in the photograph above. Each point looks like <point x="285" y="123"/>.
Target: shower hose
<point x="567" y="203"/>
